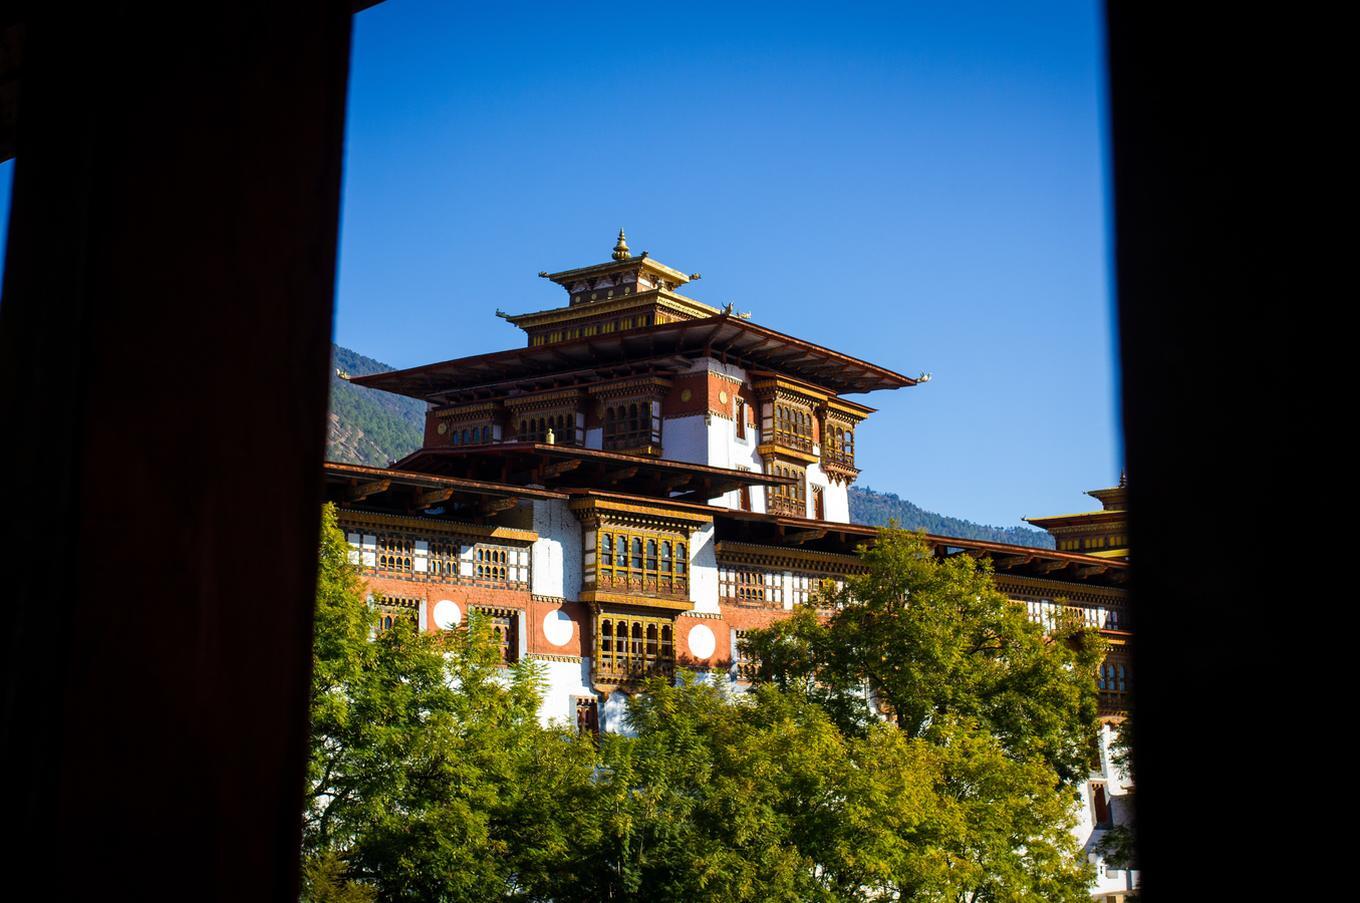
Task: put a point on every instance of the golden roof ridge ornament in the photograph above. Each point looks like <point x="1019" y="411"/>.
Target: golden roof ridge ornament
<point x="621" y="251"/>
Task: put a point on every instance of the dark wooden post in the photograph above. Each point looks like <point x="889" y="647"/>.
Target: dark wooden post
<point x="1197" y="96"/>
<point x="164" y="352"/>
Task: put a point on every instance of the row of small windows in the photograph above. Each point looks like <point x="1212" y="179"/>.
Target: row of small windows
<point x="472" y="436"/>
<point x="589" y="329"/>
<point x="420" y="557"/>
<point x="628" y="425"/>
<point x="839" y="445"/>
<point x="788" y="499"/>
<point x="630" y="648"/>
<point x="1113" y="679"/>
<point x="642" y="563"/>
<point x="396" y="608"/>
<point x="1114" y="541"/>
<point x="754" y="586"/>
<point x="792" y="427"/>
<point x="1050" y="615"/>
<point x="535" y="429"/>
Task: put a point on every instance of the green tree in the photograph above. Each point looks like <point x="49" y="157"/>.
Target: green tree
<point x="917" y="639"/>
<point x="429" y="776"/>
<point x="924" y="657"/>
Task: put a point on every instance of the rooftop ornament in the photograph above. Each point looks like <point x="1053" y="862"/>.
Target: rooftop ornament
<point x="621" y="249"/>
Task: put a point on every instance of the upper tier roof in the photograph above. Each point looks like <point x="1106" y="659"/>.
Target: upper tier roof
<point x="724" y="336"/>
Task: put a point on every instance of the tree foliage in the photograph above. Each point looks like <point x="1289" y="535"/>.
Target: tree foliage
<point x="920" y="640"/>
<point x="431" y="778"/>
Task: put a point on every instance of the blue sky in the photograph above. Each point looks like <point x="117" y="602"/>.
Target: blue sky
<point x="923" y="186"/>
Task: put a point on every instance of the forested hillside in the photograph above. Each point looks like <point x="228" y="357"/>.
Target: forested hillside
<point x="367" y="426"/>
<point x="868" y="506"/>
<point x="371" y="427"/>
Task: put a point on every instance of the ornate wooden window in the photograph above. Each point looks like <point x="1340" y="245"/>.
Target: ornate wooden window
<point x="839" y="445"/>
<point x="1101" y="817"/>
<point x="505" y="626"/>
<point x="1114" y="683"/>
<point x="392" y="609"/>
<point x="739" y="416"/>
<point x="629" y="413"/>
<point x="751" y="586"/>
<point x="788" y="500"/>
<point x="443" y="559"/>
<point x="417" y="555"/>
<point x="630" y="647"/>
<point x="396" y="553"/>
<point x="745" y="667"/>
<point x="627" y="425"/>
<point x="562" y="424"/>
<point x="792" y="426"/>
<point x="642" y="561"/>
<point x="587" y="715"/>
<point x="477" y="434"/>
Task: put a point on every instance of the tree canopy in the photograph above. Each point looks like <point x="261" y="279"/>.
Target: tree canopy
<point x="431" y="777"/>
<point x="920" y="640"/>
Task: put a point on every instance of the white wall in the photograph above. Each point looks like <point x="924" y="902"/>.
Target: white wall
<point x="703" y="570"/>
<point x="556" y="561"/>
<point x="564" y="680"/>
<point x="614" y="715"/>
<point x="685" y="439"/>
<point x="835" y="496"/>
<point x="1119" y="792"/>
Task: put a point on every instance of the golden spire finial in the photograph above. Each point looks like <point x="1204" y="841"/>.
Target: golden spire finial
<point x="621" y="249"/>
<point x="1123" y="479"/>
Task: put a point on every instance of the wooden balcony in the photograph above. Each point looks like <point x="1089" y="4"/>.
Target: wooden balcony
<point x="785" y="505"/>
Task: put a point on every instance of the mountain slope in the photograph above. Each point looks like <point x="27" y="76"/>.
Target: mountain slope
<point x="868" y="506"/>
<point x="371" y="427"/>
<point x="367" y="426"/>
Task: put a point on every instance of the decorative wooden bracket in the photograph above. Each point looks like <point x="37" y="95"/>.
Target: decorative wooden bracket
<point x="623" y="473"/>
<point x="675" y="482"/>
<point x="362" y="491"/>
<point x="798" y="537"/>
<point x="1048" y="567"/>
<point x="433" y="497"/>
<point x="495" y="506"/>
<point x="557" y="468"/>
<point x="1011" y="561"/>
<point x="1091" y="570"/>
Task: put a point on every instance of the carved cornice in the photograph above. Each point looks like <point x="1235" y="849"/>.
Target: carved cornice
<point x="638" y="386"/>
<point x="666" y="603"/>
<point x="772" y="450"/>
<point x="847" y="411"/>
<point x="487" y="410"/>
<point x="553" y="657"/>
<point x="840" y="473"/>
<point x="1055" y="589"/>
<point x="768" y="385"/>
<point x="595" y="511"/>
<point x="756" y="555"/>
<point x="426" y="524"/>
<point x="660" y="299"/>
<point x="558" y="398"/>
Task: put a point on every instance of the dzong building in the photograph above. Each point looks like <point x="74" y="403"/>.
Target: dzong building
<point x="649" y="477"/>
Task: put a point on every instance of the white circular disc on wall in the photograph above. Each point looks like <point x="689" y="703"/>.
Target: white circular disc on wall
<point x="701" y="641"/>
<point x="557" y="627"/>
<point x="447" y="614"/>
